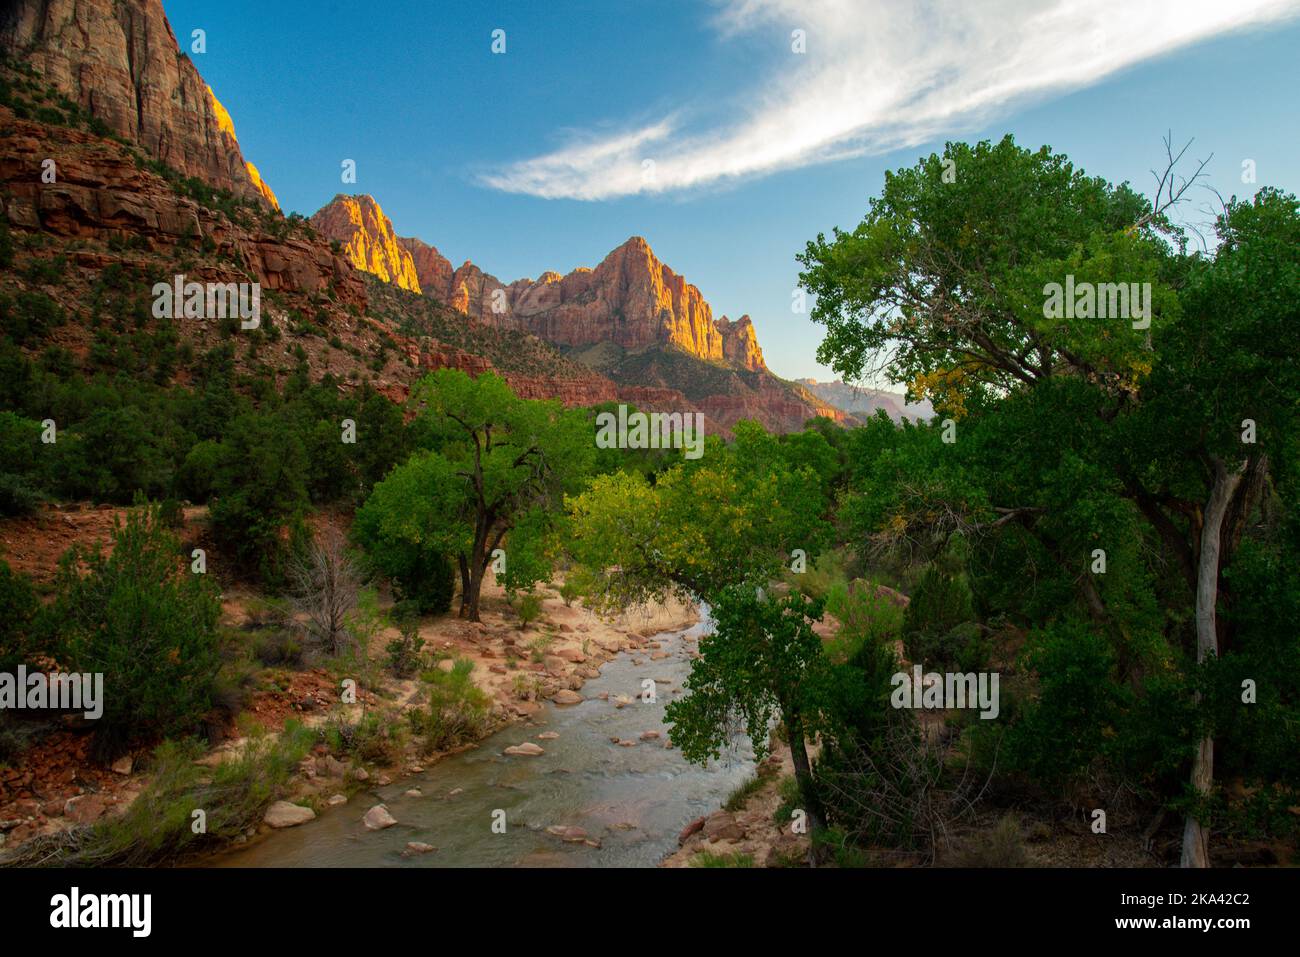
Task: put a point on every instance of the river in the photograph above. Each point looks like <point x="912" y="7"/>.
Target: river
<point x="633" y="801"/>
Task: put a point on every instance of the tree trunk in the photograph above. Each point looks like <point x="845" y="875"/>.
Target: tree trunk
<point x="1196" y="852"/>
<point x="803" y="775"/>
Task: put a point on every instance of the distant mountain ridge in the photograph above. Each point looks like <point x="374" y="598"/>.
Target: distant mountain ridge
<point x="863" y="402"/>
<point x="631" y="298"/>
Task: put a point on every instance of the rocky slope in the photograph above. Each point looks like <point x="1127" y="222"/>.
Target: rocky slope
<point x="119" y="60"/>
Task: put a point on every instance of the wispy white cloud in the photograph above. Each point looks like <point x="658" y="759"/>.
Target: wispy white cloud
<point x="877" y="76"/>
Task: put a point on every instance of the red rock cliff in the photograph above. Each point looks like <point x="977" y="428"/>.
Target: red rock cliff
<point x="120" y="61"/>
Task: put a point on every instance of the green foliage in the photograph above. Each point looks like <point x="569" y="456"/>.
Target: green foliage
<point x="938" y="626"/>
<point x="732" y="516"/>
<point x="528" y="608"/>
<point x="19" y="620"/>
<point x="405" y="651"/>
<point x="496" y="462"/>
<point x="458" y="712"/>
<point x="141" y="619"/>
<point x="259" y="495"/>
<point x="401" y="528"/>
<point x="763" y="662"/>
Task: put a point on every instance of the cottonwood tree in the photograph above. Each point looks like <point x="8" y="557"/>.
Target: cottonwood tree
<point x="495" y="460"/>
<point x="763" y="662"/>
<point x="943" y="285"/>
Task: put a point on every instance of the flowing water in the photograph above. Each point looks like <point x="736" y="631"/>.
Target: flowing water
<point x="632" y="800"/>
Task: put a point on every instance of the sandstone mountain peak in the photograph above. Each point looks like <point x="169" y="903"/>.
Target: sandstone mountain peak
<point x="119" y="60"/>
<point x="366" y="235"/>
<point x="631" y="299"/>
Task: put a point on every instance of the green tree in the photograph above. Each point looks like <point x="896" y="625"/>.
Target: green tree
<point x="259" y="494"/>
<point x="138" y="616"/>
<point x="762" y="662"/>
<point x="947" y="281"/>
<point x="496" y="459"/>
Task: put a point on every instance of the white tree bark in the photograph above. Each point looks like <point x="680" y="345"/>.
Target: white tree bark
<point x="1196" y="851"/>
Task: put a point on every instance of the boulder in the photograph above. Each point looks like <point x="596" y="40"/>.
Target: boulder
<point x="378" y="818"/>
<point x="527" y="749"/>
<point x="287" y="814"/>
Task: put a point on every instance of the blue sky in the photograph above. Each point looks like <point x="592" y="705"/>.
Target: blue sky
<point x="534" y="159"/>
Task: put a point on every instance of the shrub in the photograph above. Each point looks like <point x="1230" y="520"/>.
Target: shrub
<point x="710" y="859"/>
<point x="139" y="617"/>
<point x="1002" y="845"/>
<point x="369" y="739"/>
<point x="529" y="608"/>
<point x="158" y="827"/>
<point x="19" y="610"/>
<point x="260" y="495"/>
<point x="278" y="648"/>
<point x="940" y="602"/>
<point x="570" y="590"/>
<point x="458" y="712"/>
<point x="404" y="656"/>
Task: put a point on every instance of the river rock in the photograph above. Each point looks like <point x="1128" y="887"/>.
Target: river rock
<point x="571" y="654"/>
<point x="383" y="780"/>
<point x="649" y="735"/>
<point x="337" y="799"/>
<point x="548" y="735"/>
<point x="378" y="818"/>
<point x="568" y="833"/>
<point x="413" y="793"/>
<point x="694" y="827"/>
<point x="418" y="847"/>
<point x="287" y="814"/>
<point x="361" y="774"/>
<point x="722" y="826"/>
<point x="566" y="696"/>
<point x="527" y="749"/>
<point x="123" y="765"/>
<point x="334" y="767"/>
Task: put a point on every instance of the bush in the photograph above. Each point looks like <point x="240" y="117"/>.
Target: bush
<point x="940" y="602"/>
<point x="260" y="495"/>
<point x="529" y="608"/>
<point x="1063" y="729"/>
<point x="19" y="611"/>
<point x="404" y="657"/>
<point x="1000" y="846"/>
<point x="458" y="712"/>
<point x="149" y="626"/>
<point x="369" y="739"/>
<point x="278" y="648"/>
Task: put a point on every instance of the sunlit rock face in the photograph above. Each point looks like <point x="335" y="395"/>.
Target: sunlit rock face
<point x="367" y="239"/>
<point x="120" y="61"/>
